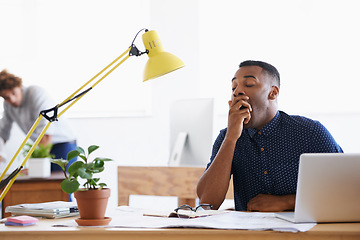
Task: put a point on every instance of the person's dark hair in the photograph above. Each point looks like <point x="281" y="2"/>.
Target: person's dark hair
<point x="270" y="69"/>
<point x="9" y="81"/>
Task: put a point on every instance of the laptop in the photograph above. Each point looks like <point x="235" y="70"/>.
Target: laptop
<point x="328" y="189"/>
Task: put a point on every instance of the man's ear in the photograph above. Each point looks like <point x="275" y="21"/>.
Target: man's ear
<point x="274" y="93"/>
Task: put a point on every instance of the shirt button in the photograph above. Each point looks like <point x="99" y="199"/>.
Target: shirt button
<point x="265" y="172"/>
<point x="262" y="149"/>
<point x="259" y="132"/>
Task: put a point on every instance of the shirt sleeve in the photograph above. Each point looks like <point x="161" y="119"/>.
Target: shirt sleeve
<point x="323" y="141"/>
<point x="5" y="125"/>
<point x="216" y="146"/>
<point x="40" y="100"/>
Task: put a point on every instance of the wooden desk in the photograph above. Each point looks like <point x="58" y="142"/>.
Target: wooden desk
<point x="161" y="181"/>
<point x="35" y="190"/>
<point x="43" y="230"/>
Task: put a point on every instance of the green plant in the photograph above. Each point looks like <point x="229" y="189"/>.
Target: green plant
<point x="40" y="151"/>
<point x="84" y="169"/>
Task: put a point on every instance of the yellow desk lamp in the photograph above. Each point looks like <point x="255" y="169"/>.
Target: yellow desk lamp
<point x="158" y="64"/>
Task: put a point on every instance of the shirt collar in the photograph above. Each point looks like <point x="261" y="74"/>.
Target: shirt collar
<point x="268" y="129"/>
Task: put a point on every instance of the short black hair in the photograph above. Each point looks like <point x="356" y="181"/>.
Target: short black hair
<point x="270" y="69"/>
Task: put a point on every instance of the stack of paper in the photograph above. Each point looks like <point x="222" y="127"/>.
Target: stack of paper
<point x="57" y="209"/>
<point x="21" y="221"/>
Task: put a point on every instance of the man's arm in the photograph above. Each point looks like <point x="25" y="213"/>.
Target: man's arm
<point x="2" y="153"/>
<point x="214" y="183"/>
<point x="46" y="140"/>
<point x="272" y="203"/>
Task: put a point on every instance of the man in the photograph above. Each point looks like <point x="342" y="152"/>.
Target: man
<point x="261" y="145"/>
<point x="23" y="105"/>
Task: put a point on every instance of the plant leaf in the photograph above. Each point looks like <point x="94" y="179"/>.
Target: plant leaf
<point x="70" y="186"/>
<point x="88" y="166"/>
<point x="103" y="159"/>
<point x="40" y="151"/>
<point x="92" y="182"/>
<point x="98" y="170"/>
<point x="74" y="167"/>
<point x="61" y="162"/>
<point x="98" y="163"/>
<point x="72" y="154"/>
<point x="92" y="148"/>
<point x="83" y="173"/>
<point x="80" y="150"/>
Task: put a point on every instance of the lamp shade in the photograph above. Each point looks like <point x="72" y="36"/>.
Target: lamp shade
<point x="160" y="62"/>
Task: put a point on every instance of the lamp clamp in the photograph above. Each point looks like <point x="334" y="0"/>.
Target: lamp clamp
<point x="134" y="51"/>
<point x="52" y="118"/>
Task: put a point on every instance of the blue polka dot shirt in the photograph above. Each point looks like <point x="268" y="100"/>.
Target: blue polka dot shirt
<point x="267" y="161"/>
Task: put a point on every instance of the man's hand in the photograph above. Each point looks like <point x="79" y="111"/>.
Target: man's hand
<point x="46" y="140"/>
<point x="271" y="203"/>
<point x="239" y="114"/>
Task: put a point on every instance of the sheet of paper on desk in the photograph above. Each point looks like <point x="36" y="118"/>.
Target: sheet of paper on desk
<point x="132" y="218"/>
<point x="52" y="206"/>
<point x="250" y="221"/>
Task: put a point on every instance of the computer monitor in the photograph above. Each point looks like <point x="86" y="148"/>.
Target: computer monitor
<point x="191" y="131"/>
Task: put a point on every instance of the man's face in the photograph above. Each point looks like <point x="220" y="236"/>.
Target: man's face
<point x="12" y="96"/>
<point x="252" y="82"/>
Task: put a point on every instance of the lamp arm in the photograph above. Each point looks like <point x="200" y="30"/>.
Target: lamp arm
<point x="53" y="118"/>
<point x="4" y="182"/>
<point x="73" y="98"/>
<point x="32" y="129"/>
<point x="31" y="150"/>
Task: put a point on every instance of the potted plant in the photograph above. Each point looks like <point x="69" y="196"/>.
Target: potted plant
<point x="39" y="161"/>
<point x="93" y="197"/>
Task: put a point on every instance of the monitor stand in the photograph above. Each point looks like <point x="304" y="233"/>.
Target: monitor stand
<point x="177" y="151"/>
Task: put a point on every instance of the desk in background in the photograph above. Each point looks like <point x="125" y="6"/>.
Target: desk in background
<point x="161" y="181"/>
<point x="35" y="190"/>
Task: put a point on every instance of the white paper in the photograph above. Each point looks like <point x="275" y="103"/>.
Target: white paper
<point x="133" y="218"/>
<point x="47" y="205"/>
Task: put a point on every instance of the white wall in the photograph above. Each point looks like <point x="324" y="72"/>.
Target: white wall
<point x="312" y="43"/>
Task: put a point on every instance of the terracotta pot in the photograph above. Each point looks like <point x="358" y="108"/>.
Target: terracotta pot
<point x="92" y="203"/>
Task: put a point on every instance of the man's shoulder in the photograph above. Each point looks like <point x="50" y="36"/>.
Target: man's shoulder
<point x="297" y="120"/>
<point x="312" y="129"/>
<point x="35" y="93"/>
<point x="34" y="89"/>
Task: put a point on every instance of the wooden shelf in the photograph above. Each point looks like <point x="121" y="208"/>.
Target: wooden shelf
<point x="35" y="190"/>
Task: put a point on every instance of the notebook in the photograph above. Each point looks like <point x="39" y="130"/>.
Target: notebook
<point x="55" y="209"/>
<point x="328" y="189"/>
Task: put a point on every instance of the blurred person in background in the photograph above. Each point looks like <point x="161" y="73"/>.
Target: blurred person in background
<point x="22" y="105"/>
